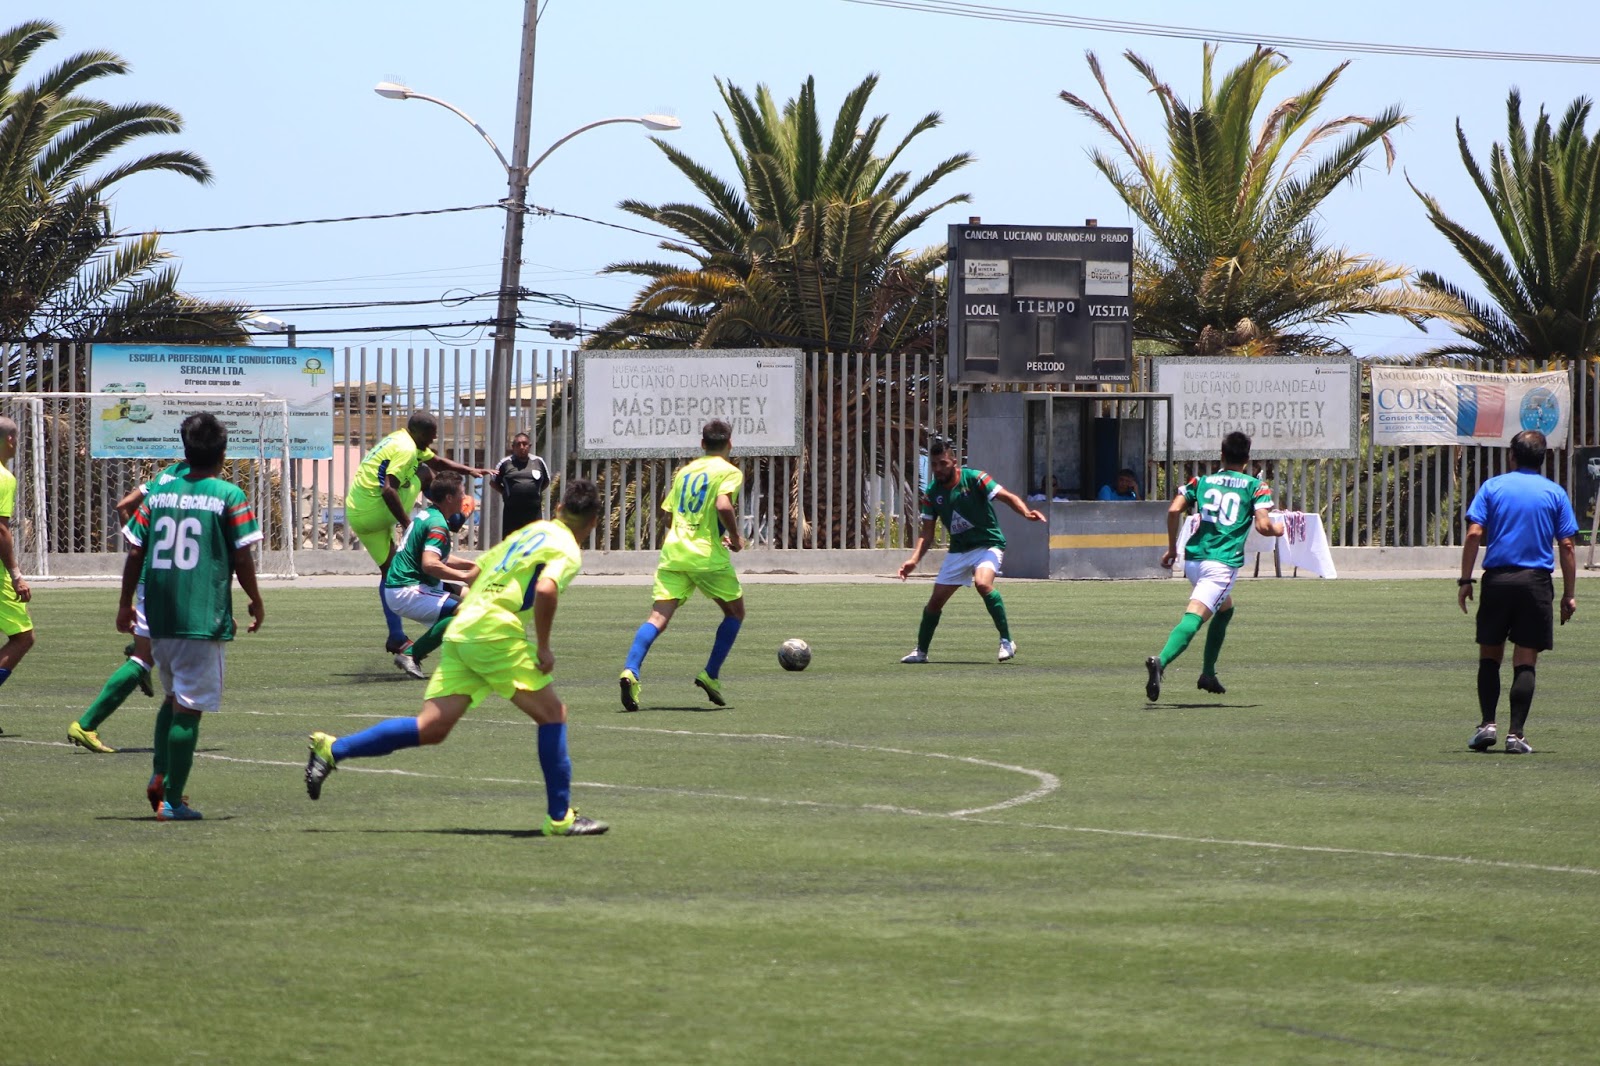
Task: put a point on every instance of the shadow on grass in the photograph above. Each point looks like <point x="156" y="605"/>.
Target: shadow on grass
<point x="1203" y="706"/>
<point x="515" y="834"/>
<point x="153" y="818"/>
<point x="367" y="677"/>
<point x="699" y="708"/>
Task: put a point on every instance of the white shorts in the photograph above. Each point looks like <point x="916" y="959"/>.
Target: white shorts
<point x="420" y="603"/>
<point x="959" y="568"/>
<point x="1211" y="580"/>
<point x="191" y="671"/>
<point x="141" y="625"/>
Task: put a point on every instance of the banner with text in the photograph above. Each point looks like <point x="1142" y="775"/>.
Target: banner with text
<point x="1292" y="408"/>
<point x="642" y="405"/>
<point x="1440" y="405"/>
<point x="143" y="426"/>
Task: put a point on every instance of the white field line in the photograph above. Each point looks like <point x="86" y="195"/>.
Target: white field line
<point x="1048" y="784"/>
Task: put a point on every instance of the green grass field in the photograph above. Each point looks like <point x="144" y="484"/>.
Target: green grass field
<point x="864" y="863"/>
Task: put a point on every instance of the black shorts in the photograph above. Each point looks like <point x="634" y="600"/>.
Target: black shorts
<point x="1515" y="606"/>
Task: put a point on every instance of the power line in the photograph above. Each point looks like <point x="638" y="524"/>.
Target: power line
<point x="547" y="211"/>
<point x="1045" y="18"/>
<point x="305" y="222"/>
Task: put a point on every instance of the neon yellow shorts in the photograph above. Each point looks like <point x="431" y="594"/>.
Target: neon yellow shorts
<point x="372" y="524"/>
<point x="722" y="584"/>
<point x="475" y="668"/>
<point x="13" y="612"/>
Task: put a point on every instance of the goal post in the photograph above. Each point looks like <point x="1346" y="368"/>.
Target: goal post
<point x="72" y="495"/>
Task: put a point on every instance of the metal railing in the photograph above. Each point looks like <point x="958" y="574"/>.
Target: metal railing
<point x="866" y="420"/>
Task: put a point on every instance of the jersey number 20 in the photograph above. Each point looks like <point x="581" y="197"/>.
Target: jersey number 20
<point x="1220" y="506"/>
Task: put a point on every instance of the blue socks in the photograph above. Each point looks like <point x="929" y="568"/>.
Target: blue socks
<point x="642" y="640"/>
<point x="727" y="633"/>
<point x="557" y="768"/>
<point x="4" y="673"/>
<point x="397" y="631"/>
<point x="391" y="734"/>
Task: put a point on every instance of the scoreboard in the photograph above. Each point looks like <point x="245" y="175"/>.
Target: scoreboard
<point x="1041" y="304"/>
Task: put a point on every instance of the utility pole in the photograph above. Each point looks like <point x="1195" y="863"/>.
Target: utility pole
<point x="505" y="329"/>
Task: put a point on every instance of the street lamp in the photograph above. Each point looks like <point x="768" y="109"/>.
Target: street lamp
<point x="505" y="332"/>
<point x="268" y="324"/>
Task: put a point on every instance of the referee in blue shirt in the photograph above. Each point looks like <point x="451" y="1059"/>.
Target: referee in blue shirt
<point x="1520" y="516"/>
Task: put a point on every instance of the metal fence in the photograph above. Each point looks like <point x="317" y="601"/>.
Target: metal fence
<point x="866" y="421"/>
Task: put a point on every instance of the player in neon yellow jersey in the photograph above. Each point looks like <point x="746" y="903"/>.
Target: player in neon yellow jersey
<point x="381" y="494"/>
<point x="14" y="591"/>
<point x="486" y="650"/>
<point x="694" y="555"/>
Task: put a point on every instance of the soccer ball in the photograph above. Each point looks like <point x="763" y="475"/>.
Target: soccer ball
<point x="794" y="654"/>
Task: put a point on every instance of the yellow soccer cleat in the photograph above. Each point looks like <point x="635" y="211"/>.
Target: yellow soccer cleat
<point x="87" y="738"/>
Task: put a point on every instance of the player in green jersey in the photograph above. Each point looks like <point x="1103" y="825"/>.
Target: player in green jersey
<point x="135" y="672"/>
<point x="189" y="538"/>
<point x="486" y="650"/>
<point x="694" y="555"/>
<point x="963" y="499"/>
<point x="382" y="492"/>
<point x="14" y="591"/>
<point x="414" y="586"/>
<point x="1228" y="502"/>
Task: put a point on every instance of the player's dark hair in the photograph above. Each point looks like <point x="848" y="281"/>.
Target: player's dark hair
<point x="422" y="420"/>
<point x="1528" y="448"/>
<point x="521" y="435"/>
<point x="580" y="498"/>
<point x="938" y="446"/>
<point x="443" y="485"/>
<point x="205" y="440"/>
<point x="715" y="435"/>
<point x="1129" y="472"/>
<point x="1236" y="448"/>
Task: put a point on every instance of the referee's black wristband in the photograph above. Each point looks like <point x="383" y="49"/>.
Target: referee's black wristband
<point x="1464" y="581"/>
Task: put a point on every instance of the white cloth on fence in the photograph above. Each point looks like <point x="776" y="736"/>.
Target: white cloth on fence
<point x="1304" y="544"/>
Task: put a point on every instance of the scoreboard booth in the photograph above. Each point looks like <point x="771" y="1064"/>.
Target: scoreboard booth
<point x="1055" y="442"/>
<point x="1053" y="305"/>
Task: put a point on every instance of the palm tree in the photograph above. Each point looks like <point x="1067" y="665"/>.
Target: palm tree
<point x="805" y="250"/>
<point x="65" y="273"/>
<point x="1231" y="258"/>
<point x="1544" y="195"/>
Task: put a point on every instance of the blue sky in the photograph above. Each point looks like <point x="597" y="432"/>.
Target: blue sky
<point x="279" y="101"/>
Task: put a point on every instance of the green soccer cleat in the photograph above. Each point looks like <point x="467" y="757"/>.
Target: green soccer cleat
<point x="573" y="825"/>
<point x="712" y="688"/>
<point x="87" y="738"/>
<point x="630" y="690"/>
<point x="319" y="764"/>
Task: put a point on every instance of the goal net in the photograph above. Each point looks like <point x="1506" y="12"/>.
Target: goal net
<point x="66" y="522"/>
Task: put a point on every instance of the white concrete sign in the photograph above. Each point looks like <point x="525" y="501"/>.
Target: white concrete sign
<point x="639" y="405"/>
<point x="1292" y="408"/>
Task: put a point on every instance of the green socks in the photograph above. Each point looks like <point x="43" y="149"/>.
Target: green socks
<point x="118" y="687"/>
<point x="1214" y="638"/>
<point x="997" y="611"/>
<point x="1181" y="635"/>
<point x="182" y="739"/>
<point x="429" y="642"/>
<point x="930" y="622"/>
<point x="158" y="761"/>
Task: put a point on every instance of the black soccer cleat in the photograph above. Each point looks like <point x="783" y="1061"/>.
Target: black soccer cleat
<point x="1152" y="684"/>
<point x="1209" y="683"/>
<point x="319" y="764"/>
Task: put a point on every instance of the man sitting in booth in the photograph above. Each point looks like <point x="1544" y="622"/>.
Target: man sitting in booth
<point x="1126" y="488"/>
